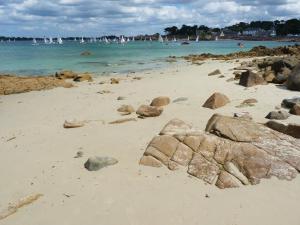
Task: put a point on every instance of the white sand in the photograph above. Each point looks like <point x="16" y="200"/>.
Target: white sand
<point x="41" y="157"/>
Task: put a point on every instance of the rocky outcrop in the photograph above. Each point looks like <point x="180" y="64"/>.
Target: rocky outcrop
<point x="160" y="101"/>
<point x="73" y="124"/>
<point x="149" y="111"/>
<point x="231" y="153"/>
<point x="14" y="85"/>
<point x="254" y="52"/>
<point x="215" y="101"/>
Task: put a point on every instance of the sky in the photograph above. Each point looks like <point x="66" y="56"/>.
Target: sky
<point x="131" y="17"/>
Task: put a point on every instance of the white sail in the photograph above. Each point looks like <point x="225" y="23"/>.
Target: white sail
<point x="188" y="38"/>
<point x="75" y="39"/>
<point x="160" y="39"/>
<point x="50" y="40"/>
<point x="106" y="40"/>
<point x="197" y="39"/>
<point x="150" y="39"/>
<point x="122" y="40"/>
<point x="59" y="41"/>
<point x="46" y="41"/>
<point x="82" y="40"/>
<point x="133" y="39"/>
<point x="33" y="41"/>
<point x="166" y="39"/>
<point x="216" y="38"/>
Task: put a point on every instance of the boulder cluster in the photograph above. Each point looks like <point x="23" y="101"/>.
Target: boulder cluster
<point x="279" y="70"/>
<point x="231" y="153"/>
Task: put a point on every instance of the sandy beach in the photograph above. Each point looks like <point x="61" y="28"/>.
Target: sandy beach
<point x="37" y="154"/>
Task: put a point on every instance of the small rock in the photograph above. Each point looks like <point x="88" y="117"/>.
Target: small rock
<point x="86" y="53"/>
<point x="293" y="82"/>
<point x="181" y="99"/>
<point x="123" y="121"/>
<point x="216" y="72"/>
<point x="126" y="109"/>
<point x="121" y="98"/>
<point x="215" y="101"/>
<point x="278" y="115"/>
<point x="160" y="101"/>
<point x="83" y="77"/>
<point x="289" y="103"/>
<point x="79" y="154"/>
<point x="149" y="111"/>
<point x="104" y="92"/>
<point x="73" y="124"/>
<point x="289" y="129"/>
<point x="295" y="110"/>
<point x="249" y="79"/>
<point x="114" y="81"/>
<point x="96" y="163"/>
<point x="230" y="79"/>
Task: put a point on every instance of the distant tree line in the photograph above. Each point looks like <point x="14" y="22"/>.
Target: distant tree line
<point x="282" y="27"/>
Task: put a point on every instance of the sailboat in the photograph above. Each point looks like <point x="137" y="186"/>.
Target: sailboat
<point x="122" y="40"/>
<point x="59" y="41"/>
<point x="34" y="42"/>
<point x="216" y="38"/>
<point x="174" y="39"/>
<point x="50" y="40"/>
<point x="133" y="39"/>
<point x="166" y="39"/>
<point x="75" y="39"/>
<point x="160" y="39"/>
<point x="106" y="40"/>
<point x="81" y="41"/>
<point x="150" y="39"/>
<point x="197" y="39"/>
<point x="46" y="41"/>
<point x="188" y="38"/>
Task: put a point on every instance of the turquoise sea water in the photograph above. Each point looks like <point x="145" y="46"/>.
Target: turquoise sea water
<point x="23" y="58"/>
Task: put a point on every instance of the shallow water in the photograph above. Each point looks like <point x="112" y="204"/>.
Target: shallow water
<point x="23" y="58"/>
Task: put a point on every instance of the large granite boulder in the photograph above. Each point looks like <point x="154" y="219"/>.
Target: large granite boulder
<point x="215" y="101"/>
<point x="231" y="153"/>
<point x="293" y="81"/>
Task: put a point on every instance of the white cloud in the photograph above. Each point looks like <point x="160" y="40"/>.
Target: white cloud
<point x="94" y="17"/>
